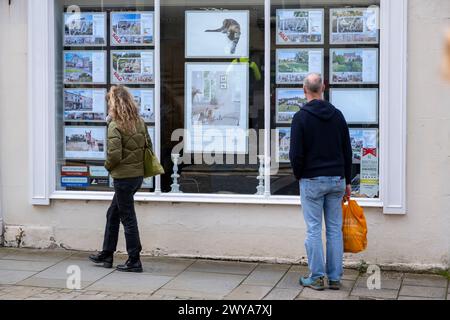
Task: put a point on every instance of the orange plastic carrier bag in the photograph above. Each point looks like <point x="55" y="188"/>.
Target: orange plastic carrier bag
<point x="354" y="227"/>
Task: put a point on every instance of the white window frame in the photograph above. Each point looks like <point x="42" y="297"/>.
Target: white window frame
<point x="41" y="107"/>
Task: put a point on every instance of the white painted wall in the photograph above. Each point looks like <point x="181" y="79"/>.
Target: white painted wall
<point x="268" y="232"/>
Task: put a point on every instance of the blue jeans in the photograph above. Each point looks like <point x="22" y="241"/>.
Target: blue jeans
<point x="323" y="194"/>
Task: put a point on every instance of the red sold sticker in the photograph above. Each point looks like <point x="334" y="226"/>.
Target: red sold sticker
<point x="118" y="76"/>
<point x="283" y="36"/>
<point x="117" y="38"/>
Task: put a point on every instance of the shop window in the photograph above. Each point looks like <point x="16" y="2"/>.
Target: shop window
<point x="341" y="42"/>
<point x="99" y="44"/>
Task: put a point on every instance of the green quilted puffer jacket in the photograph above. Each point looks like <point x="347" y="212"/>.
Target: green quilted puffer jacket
<point x="125" y="154"/>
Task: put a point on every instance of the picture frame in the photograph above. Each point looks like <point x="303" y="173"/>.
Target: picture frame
<point x="85" y="142"/>
<point x="354" y="66"/>
<point x="145" y="100"/>
<point x="132" y="28"/>
<point x="355" y="25"/>
<point x="300" y="26"/>
<point x="362" y="138"/>
<point x="132" y="67"/>
<point x="84" y="29"/>
<point x="215" y="112"/>
<point x="226" y="33"/>
<point x="358" y="105"/>
<point x="84" y="67"/>
<point x="294" y="64"/>
<point x="288" y="103"/>
<point x="84" y="105"/>
<point x="283" y="144"/>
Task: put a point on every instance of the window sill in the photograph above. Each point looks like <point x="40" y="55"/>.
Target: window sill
<point x="199" y="198"/>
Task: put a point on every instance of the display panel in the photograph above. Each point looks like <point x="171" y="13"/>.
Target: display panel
<point x="357" y="105"/>
<point x="289" y="102"/>
<point x="84" y="67"/>
<point x="132" y="67"/>
<point x="91" y="32"/>
<point x="354" y="25"/>
<point x="300" y="26"/>
<point x="88" y="143"/>
<point x="216" y="34"/>
<point x="84" y="105"/>
<point x="354" y="66"/>
<point x="349" y="64"/>
<point x="131" y="28"/>
<point x="283" y="144"/>
<point x="293" y="65"/>
<point x="84" y="29"/>
<point x="217" y="109"/>
<point x="144" y="99"/>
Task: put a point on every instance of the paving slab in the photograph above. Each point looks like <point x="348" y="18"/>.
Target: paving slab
<point x="324" y="295"/>
<point x="290" y="281"/>
<point x="223" y="267"/>
<point x="385" y="282"/>
<point x="172" y="294"/>
<point x="21" y="292"/>
<point x="24" y="265"/>
<point x="35" y="281"/>
<point x="416" y="298"/>
<point x="206" y="284"/>
<point x="14" y="276"/>
<point x="266" y="275"/>
<point x="89" y="271"/>
<point x="375" y="294"/>
<point x="249" y="292"/>
<point x="350" y="274"/>
<point x="421" y="291"/>
<point x="37" y="255"/>
<point x="283" y="294"/>
<point x="425" y="280"/>
<point x="300" y="269"/>
<point x="165" y="266"/>
<point x="129" y="283"/>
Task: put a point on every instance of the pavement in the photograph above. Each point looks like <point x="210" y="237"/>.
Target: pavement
<point x="42" y="275"/>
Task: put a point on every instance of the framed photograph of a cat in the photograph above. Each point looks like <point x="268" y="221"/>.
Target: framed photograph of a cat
<point x="217" y="34"/>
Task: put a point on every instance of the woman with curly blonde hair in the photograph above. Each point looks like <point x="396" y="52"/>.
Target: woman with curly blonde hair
<point x="127" y="139"/>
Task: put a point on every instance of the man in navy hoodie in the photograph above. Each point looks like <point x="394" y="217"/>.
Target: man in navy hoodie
<point x="321" y="158"/>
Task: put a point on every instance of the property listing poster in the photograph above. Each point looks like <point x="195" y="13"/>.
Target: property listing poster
<point x="354" y="66"/>
<point x="354" y="25"/>
<point x="132" y="67"/>
<point x="293" y="65"/>
<point x="300" y="26"/>
<point x="84" y="29"/>
<point x="369" y="179"/>
<point x="84" y="104"/>
<point x="131" y="28"/>
<point x="84" y="67"/>
<point x="144" y="99"/>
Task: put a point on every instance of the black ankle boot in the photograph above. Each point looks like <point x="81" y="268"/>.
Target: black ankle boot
<point x="132" y="265"/>
<point x="103" y="257"/>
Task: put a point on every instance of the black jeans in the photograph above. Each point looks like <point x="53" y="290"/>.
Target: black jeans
<point x="122" y="210"/>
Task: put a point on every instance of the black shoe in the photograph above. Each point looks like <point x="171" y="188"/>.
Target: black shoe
<point x="103" y="257"/>
<point x="130" y="266"/>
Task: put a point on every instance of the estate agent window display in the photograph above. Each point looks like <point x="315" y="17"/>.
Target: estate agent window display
<point x="211" y="79"/>
<point x="102" y="46"/>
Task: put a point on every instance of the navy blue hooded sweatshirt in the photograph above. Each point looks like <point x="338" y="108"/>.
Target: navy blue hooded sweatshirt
<point x="320" y="142"/>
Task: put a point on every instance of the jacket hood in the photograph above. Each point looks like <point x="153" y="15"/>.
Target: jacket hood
<point x="321" y="109"/>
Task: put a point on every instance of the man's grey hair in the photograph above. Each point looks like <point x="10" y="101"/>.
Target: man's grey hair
<point x="313" y="82"/>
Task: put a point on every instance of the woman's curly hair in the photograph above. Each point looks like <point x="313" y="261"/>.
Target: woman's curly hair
<point x="123" y="109"/>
